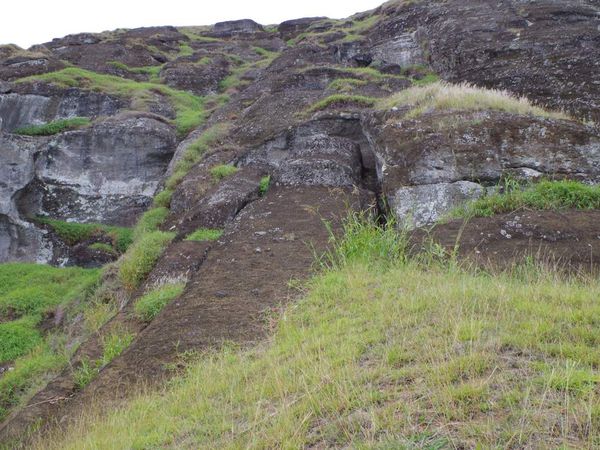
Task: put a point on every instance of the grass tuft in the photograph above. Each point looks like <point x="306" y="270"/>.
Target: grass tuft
<point x="150" y="221"/>
<point x="205" y="234"/>
<point x="465" y="96"/>
<point x="264" y="184"/>
<point x="152" y="303"/>
<point x="551" y="195"/>
<point x="141" y="257"/>
<point x="55" y="127"/>
<point x="222" y="171"/>
<point x="342" y="100"/>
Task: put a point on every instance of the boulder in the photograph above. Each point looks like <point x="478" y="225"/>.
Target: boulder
<point x="234" y="27"/>
<point x="415" y="206"/>
<point x="289" y="29"/>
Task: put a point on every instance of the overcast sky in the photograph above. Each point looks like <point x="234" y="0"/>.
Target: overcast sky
<point x="36" y="21"/>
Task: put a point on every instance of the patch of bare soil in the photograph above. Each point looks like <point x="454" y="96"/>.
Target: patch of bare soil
<point x="569" y="238"/>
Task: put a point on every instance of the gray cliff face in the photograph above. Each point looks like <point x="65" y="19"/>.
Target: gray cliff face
<point x="19" y="240"/>
<point x="106" y="173"/>
<point x="18" y="110"/>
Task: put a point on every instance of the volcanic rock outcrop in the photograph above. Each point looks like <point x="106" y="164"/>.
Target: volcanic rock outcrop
<point x="209" y="116"/>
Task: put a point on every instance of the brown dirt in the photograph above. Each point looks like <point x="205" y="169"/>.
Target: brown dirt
<point x="569" y="238"/>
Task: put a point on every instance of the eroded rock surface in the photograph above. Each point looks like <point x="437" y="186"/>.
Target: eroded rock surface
<point x="299" y="104"/>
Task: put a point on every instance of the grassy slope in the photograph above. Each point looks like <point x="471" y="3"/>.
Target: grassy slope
<point x="189" y="108"/>
<point x="386" y="352"/>
<point x="543" y="195"/>
<point x="27" y="292"/>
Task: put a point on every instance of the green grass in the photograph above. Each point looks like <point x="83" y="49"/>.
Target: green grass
<point x="163" y="199"/>
<point x="466" y="97"/>
<point x="113" y="344"/>
<point x="150" y="221"/>
<point x="263" y="185"/>
<point x="141" y="257"/>
<point x="152" y="71"/>
<point x="189" y="108"/>
<point x="18" y="337"/>
<point x="386" y="351"/>
<point x="28" y="373"/>
<point x="33" y="289"/>
<point x="74" y="233"/>
<point x="55" y="127"/>
<point x="429" y="78"/>
<point x="27" y="293"/>
<point x="265" y="53"/>
<point x="346" y="84"/>
<point x="222" y="171"/>
<point x="543" y="195"/>
<point x="195" y="151"/>
<point x="148" y="306"/>
<point x="342" y="100"/>
<point x="205" y="234"/>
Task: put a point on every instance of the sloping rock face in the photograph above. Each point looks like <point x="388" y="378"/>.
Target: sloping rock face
<point x="547" y="50"/>
<point x="19" y="240"/>
<point x="299" y="104"/>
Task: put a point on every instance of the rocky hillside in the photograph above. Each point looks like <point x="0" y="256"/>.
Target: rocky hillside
<point x="228" y="146"/>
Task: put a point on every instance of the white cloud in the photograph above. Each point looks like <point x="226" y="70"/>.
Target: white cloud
<point x="36" y="21"/>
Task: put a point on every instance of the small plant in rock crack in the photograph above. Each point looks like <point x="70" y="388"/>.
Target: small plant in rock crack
<point x="205" y="234"/>
<point x="263" y="186"/>
<point x="85" y="373"/>
<point x="223" y="170"/>
<point x="113" y="346"/>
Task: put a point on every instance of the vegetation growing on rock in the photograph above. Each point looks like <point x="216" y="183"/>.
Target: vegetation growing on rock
<point x="55" y="127"/>
<point x="204" y="234"/>
<point x="541" y="195"/>
<point x="445" y="96"/>
<point x="74" y="233"/>
<point x="223" y="170"/>
<point x="151" y="303"/>
<point x="141" y="257"/>
<point x="189" y="108"/>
